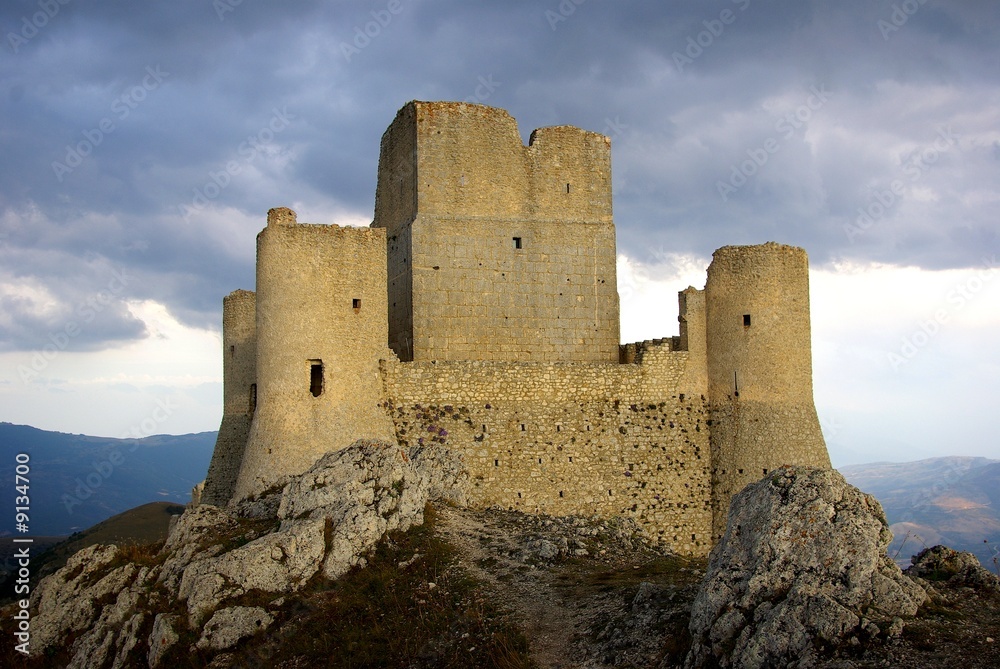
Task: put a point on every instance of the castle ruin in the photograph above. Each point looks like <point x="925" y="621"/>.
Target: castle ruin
<point x="480" y="311"/>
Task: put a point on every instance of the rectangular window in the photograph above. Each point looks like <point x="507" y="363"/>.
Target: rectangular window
<point x="517" y="243"/>
<point x="746" y="320"/>
<point x="316" y="377"/>
<point x="356" y="303"/>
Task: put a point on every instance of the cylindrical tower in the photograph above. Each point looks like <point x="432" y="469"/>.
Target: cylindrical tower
<point x="759" y="368"/>
<point x="321" y="330"/>
<point x="239" y="389"/>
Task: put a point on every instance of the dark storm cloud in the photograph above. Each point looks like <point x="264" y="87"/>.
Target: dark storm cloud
<point x="153" y="137"/>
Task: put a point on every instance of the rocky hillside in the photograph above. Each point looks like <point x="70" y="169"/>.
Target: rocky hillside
<point x="953" y="501"/>
<point x="370" y="560"/>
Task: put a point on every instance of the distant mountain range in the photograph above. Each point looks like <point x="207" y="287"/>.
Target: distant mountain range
<point x="953" y="501"/>
<point x="77" y="481"/>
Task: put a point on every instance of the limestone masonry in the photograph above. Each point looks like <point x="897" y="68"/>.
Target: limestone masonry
<point x="480" y="312"/>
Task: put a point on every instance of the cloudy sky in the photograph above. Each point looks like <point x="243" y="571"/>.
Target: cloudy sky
<point x="143" y="143"/>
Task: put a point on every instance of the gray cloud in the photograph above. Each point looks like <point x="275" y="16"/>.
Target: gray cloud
<point x="176" y="107"/>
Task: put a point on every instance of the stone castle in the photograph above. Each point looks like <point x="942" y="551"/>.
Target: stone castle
<point x="479" y="311"/>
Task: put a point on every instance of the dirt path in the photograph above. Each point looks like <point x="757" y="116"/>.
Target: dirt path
<point x="490" y="552"/>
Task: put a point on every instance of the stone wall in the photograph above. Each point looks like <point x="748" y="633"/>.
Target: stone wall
<point x="497" y="250"/>
<point x="321" y="329"/>
<point x="600" y="439"/>
<point x="759" y="367"/>
<point x="239" y="388"/>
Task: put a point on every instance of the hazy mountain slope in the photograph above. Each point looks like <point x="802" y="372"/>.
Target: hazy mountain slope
<point x="76" y="481"/>
<point x="953" y="500"/>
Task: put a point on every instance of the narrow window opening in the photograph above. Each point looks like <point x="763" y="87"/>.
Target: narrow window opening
<point x="539" y="461"/>
<point x="316" y="377"/>
<point x="610" y="494"/>
<point x="765" y="472"/>
<point x="356" y="304"/>
<point x="496" y="463"/>
<point x="519" y="495"/>
<point x="560" y="493"/>
<point x="567" y="188"/>
<point x="253" y="397"/>
<point x="558" y="428"/>
<point x="522" y="427"/>
<point x="746" y="320"/>
<point x="692" y="537"/>
<point x="232" y="350"/>
<point x="740" y="471"/>
<point x="517" y="243"/>
<point x="571" y="458"/>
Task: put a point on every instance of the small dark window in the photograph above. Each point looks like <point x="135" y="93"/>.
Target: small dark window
<point x="522" y="427"/>
<point x="496" y="463"/>
<point x="560" y="493"/>
<point x="517" y="243"/>
<point x="232" y="350"/>
<point x="356" y="303"/>
<point x="567" y="188"/>
<point x="316" y="377"/>
<point x="746" y="320"/>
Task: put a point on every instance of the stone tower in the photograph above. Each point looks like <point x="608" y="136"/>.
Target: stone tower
<point x="321" y="330"/>
<point x="496" y="250"/>
<point x="239" y="373"/>
<point x="759" y="368"/>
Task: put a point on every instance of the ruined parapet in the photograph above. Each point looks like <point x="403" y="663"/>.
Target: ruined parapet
<point x="496" y="250"/>
<point x="759" y="368"/>
<point x="321" y="329"/>
<point x="239" y="387"/>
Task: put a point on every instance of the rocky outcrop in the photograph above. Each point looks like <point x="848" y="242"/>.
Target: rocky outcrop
<point x="801" y="569"/>
<point x="957" y="568"/>
<point x="213" y="559"/>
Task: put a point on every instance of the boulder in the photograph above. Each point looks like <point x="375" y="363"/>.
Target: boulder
<point x="163" y="637"/>
<point x="957" y="568"/>
<point x="801" y="569"/>
<point x="227" y="627"/>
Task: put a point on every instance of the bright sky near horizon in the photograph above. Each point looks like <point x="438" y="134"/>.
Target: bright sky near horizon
<point x="145" y="142"/>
